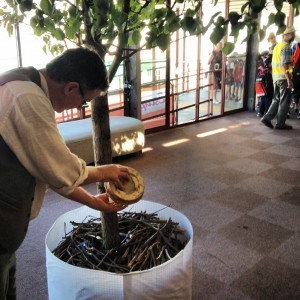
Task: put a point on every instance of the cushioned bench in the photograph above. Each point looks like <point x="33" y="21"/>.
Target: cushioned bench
<point x="127" y="136"/>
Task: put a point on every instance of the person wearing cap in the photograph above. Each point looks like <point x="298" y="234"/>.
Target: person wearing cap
<point x="282" y="66"/>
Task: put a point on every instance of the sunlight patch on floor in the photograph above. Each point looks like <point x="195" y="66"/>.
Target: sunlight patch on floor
<point x="173" y="143"/>
<point x="147" y="149"/>
<point x="212" y="132"/>
<point x="239" y="125"/>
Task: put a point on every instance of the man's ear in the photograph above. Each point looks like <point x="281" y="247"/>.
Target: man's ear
<point x="71" y="87"/>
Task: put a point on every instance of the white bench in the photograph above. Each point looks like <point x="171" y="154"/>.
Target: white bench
<point x="127" y="136"/>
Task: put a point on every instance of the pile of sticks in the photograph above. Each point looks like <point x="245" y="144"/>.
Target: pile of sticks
<point x="147" y="241"/>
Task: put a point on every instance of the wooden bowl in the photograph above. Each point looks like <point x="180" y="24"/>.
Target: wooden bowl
<point x="133" y="189"/>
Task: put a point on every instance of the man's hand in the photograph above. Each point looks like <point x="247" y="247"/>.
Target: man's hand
<point x="103" y="204"/>
<point x="99" y="202"/>
<point x="108" y="173"/>
<point x="116" y="174"/>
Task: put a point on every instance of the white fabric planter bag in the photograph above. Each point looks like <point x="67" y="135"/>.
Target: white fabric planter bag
<point x="171" y="280"/>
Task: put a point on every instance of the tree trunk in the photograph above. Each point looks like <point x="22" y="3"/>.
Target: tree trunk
<point x="103" y="155"/>
<point x="251" y="65"/>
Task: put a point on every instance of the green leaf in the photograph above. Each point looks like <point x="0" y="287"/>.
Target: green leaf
<point x="235" y="30"/>
<point x="170" y="16"/>
<point x="59" y="34"/>
<point x="49" y="24"/>
<point x="189" y="24"/>
<point x="280" y="29"/>
<point x="159" y="13"/>
<point x="234" y="17"/>
<point x="163" y="41"/>
<point x="75" y="23"/>
<point x="46" y="7"/>
<point x="70" y="33"/>
<point x="26" y="5"/>
<point x="247" y="4"/>
<point x="44" y="49"/>
<point x="72" y="27"/>
<point x="119" y="17"/>
<point x="174" y="25"/>
<point x="271" y="19"/>
<point x="217" y="34"/>
<point x="151" y="38"/>
<point x="228" y="48"/>
<point x="100" y="21"/>
<point x="10" y="29"/>
<point x="38" y="31"/>
<point x="278" y="4"/>
<point x="220" y="21"/>
<point x="296" y="6"/>
<point x="34" y="21"/>
<point x="72" y="11"/>
<point x="57" y="16"/>
<point x="262" y="34"/>
<point x="199" y="29"/>
<point x="279" y="18"/>
<point x="190" y="13"/>
<point x="258" y="5"/>
<point x="136" y="37"/>
<point x="102" y="5"/>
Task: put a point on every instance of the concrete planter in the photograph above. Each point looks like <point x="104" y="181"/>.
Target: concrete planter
<point x="171" y="280"/>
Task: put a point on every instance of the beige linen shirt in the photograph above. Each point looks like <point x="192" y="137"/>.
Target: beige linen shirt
<point x="28" y="126"/>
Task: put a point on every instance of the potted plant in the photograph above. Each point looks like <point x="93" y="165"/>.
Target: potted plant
<point x="153" y="247"/>
<point x="170" y="280"/>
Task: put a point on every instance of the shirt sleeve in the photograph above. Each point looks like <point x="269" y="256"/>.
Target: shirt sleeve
<point x="286" y="55"/>
<point x="31" y="131"/>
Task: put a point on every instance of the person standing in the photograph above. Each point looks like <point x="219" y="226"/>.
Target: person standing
<point x="272" y="40"/>
<point x="238" y="77"/>
<point x="33" y="154"/>
<point x="282" y="61"/>
<point x="229" y="82"/>
<point x="215" y="68"/>
<point x="264" y="86"/>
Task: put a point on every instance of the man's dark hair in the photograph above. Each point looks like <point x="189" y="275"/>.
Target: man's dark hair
<point x="79" y="65"/>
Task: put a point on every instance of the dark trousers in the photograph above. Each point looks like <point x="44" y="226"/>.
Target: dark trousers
<point x="281" y="102"/>
<point x="7" y="276"/>
<point x="265" y="103"/>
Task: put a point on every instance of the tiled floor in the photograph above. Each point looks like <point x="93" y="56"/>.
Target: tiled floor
<point x="239" y="184"/>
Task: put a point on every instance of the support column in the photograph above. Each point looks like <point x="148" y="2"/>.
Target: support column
<point x="250" y="70"/>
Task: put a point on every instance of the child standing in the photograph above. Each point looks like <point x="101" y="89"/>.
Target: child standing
<point x="264" y="85"/>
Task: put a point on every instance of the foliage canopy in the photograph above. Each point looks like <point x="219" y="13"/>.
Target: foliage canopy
<point x="112" y="26"/>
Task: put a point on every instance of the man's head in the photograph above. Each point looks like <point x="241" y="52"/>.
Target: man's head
<point x="272" y="38"/>
<point x="289" y="33"/>
<point x="77" y="75"/>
